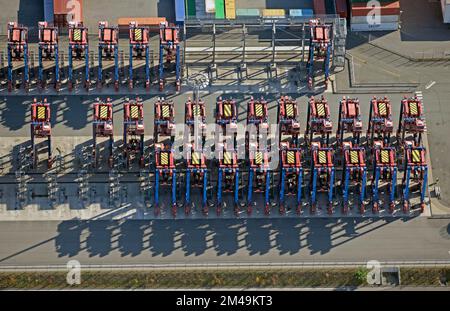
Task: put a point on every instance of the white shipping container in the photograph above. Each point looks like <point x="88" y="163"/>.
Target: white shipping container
<point x="445" y="4"/>
<point x="383" y="19"/>
<point x="210" y="6"/>
<point x="375" y="27"/>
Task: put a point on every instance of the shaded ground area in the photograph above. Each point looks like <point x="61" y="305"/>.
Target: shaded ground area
<point x="215" y="241"/>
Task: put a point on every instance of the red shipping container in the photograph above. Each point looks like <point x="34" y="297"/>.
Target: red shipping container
<point x="73" y="8"/>
<point x="319" y="7"/>
<point x="341" y="8"/>
<point x="143" y="21"/>
<point x="389" y="8"/>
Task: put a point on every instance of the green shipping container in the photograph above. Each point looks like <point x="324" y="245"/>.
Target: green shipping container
<point x="190" y="8"/>
<point x="247" y="12"/>
<point x="220" y="9"/>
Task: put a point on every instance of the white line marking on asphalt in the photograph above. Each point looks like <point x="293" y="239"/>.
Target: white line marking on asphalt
<point x="429" y="85"/>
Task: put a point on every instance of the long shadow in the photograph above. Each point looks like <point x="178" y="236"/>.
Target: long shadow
<point x="226" y="238"/>
<point x="68" y="238"/>
<point x="13" y="114"/>
<point x="131" y="238"/>
<point x="288" y="235"/>
<point x="166" y="9"/>
<point x="319" y="236"/>
<point x="257" y="239"/>
<point x="162" y="237"/>
<point x="77" y="111"/>
<point x="29" y="14"/>
<point x="99" y="241"/>
<point x="193" y="238"/>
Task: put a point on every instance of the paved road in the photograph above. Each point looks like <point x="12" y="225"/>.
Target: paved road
<point x="211" y="241"/>
<point x="374" y="65"/>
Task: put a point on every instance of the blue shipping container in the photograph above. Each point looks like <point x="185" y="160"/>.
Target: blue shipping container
<point x="301" y="12"/>
<point x="307" y="12"/>
<point x="48" y="11"/>
<point x="180" y="11"/>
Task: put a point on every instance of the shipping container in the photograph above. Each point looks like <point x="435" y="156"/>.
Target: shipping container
<point x="330" y="7"/>
<point x="319" y="7"/>
<point x="144" y="21"/>
<point x="374" y="27"/>
<point x="49" y="11"/>
<point x="60" y="20"/>
<point x="341" y="8"/>
<point x="220" y="9"/>
<point x="191" y="10"/>
<point x="390" y="8"/>
<point x="210" y="6"/>
<point x="301" y="12"/>
<point x="295" y="12"/>
<point x="445" y="4"/>
<point x="273" y="13"/>
<point x="383" y="19"/>
<point x="72" y="8"/>
<point x="230" y="9"/>
<point x="180" y="11"/>
<point x="247" y="12"/>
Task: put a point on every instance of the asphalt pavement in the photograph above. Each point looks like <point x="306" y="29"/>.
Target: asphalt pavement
<point x="223" y="241"/>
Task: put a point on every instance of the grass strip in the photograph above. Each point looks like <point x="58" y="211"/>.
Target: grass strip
<point x="223" y="278"/>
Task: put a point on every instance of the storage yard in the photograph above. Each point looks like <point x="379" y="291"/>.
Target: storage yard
<point x="222" y="117"/>
<point x="296" y="149"/>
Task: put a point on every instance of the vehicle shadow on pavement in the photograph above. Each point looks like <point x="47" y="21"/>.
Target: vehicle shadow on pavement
<point x="14" y="112"/>
<point x="227" y="237"/>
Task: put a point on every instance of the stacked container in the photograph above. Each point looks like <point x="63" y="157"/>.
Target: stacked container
<point x="445" y="4"/>
<point x="180" y="11"/>
<point x="220" y="9"/>
<point x="247" y="12"/>
<point x="363" y="17"/>
<point x="301" y="13"/>
<point x="191" y="10"/>
<point x="230" y="9"/>
<point x="341" y="8"/>
<point x="319" y="7"/>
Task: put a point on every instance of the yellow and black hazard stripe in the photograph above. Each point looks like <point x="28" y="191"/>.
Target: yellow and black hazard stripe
<point x="290" y="157"/>
<point x="384" y="156"/>
<point x="354" y="159"/>
<point x="320" y="109"/>
<point x="382" y="108"/>
<point x="259" y="110"/>
<point x="77" y="35"/>
<point x="164" y="158"/>
<point x="258" y="158"/>
<point x="227" y="158"/>
<point x="165" y="109"/>
<point x="103" y="112"/>
<point x="290" y="110"/>
<point x="196" y="110"/>
<point x="41" y="112"/>
<point x="138" y="34"/>
<point x="322" y="155"/>
<point x="195" y="158"/>
<point x="416" y="156"/>
<point x="413" y="109"/>
<point x="134" y="112"/>
<point x="227" y="110"/>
